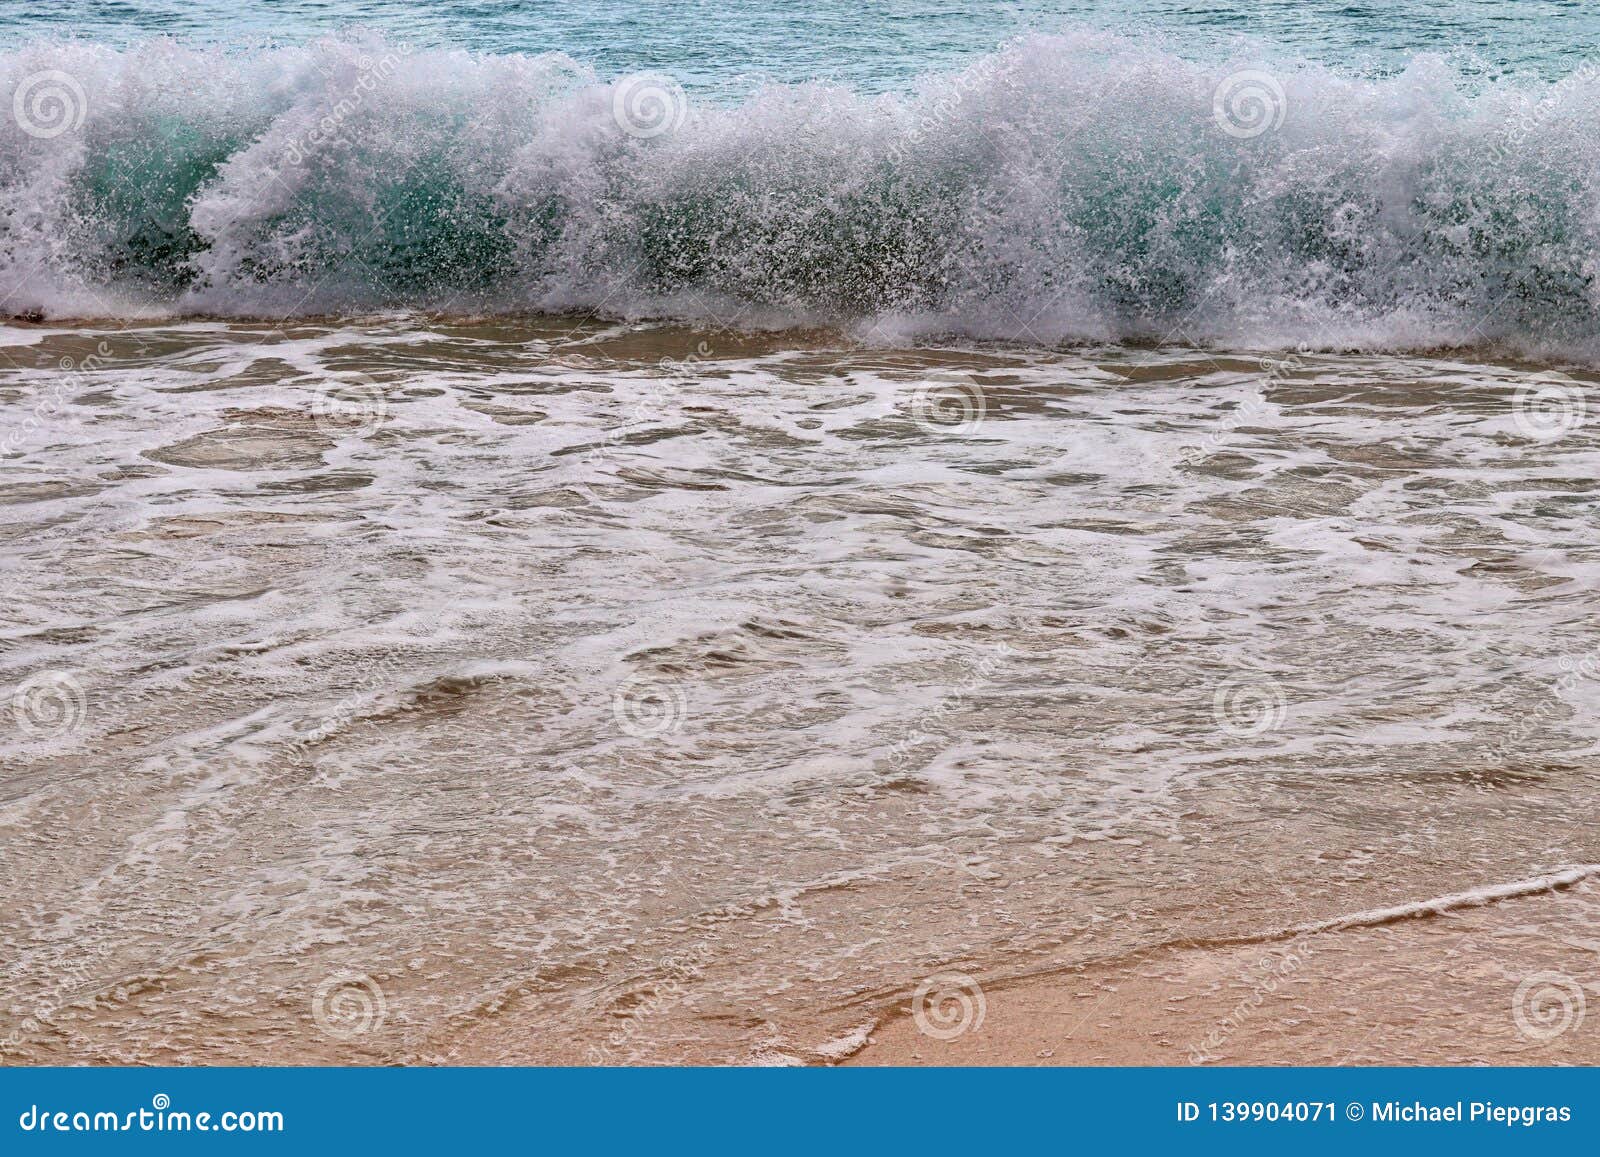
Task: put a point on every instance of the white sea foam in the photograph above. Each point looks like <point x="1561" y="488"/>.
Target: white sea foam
<point x="350" y="692"/>
<point x="1078" y="186"/>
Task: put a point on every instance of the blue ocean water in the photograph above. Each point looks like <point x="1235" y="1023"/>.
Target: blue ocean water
<point x="1322" y="173"/>
<point x="874" y="47"/>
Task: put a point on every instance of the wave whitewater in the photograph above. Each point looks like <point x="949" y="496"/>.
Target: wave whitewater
<point x="1071" y="187"/>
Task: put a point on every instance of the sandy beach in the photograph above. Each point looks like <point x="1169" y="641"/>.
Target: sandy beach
<point x="1464" y="980"/>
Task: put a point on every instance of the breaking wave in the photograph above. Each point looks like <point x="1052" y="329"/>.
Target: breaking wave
<point x="1079" y="186"/>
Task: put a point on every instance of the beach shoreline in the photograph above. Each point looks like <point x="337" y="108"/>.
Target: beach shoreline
<point x="1502" y="978"/>
<point x="530" y="694"/>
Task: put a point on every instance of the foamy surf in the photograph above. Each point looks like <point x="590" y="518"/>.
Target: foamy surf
<point x="629" y="691"/>
<point x="1070" y="187"/>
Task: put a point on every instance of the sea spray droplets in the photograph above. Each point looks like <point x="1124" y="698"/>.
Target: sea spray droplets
<point x="878" y="203"/>
<point x="47" y="104"/>
<point x="1249" y="103"/>
<point x="49" y="704"/>
<point x="648" y="104"/>
<point x="947" y="1005"/>
<point x="1548" y="1004"/>
<point x="1549" y="406"/>
<point x="949" y="403"/>
<point x="1244" y="708"/>
<point x="647" y="709"/>
<point x="348" y="1005"/>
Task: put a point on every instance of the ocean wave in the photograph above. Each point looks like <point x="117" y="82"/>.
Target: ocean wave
<point x="1071" y="187"/>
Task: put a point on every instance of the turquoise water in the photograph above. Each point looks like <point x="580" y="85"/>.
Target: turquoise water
<point x="872" y="46"/>
<point x="1273" y="174"/>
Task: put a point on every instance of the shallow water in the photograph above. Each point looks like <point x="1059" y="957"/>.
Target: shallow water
<point x="553" y="689"/>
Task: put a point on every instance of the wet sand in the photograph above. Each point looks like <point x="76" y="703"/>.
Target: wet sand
<point x="1509" y="982"/>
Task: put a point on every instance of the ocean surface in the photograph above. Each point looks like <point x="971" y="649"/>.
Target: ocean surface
<point x="1237" y="178"/>
<point x="543" y="532"/>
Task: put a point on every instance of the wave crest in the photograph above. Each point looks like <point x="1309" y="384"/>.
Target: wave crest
<point x="1069" y="187"/>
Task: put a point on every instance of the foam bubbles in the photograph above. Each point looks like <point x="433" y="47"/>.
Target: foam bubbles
<point x="1075" y="187"/>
